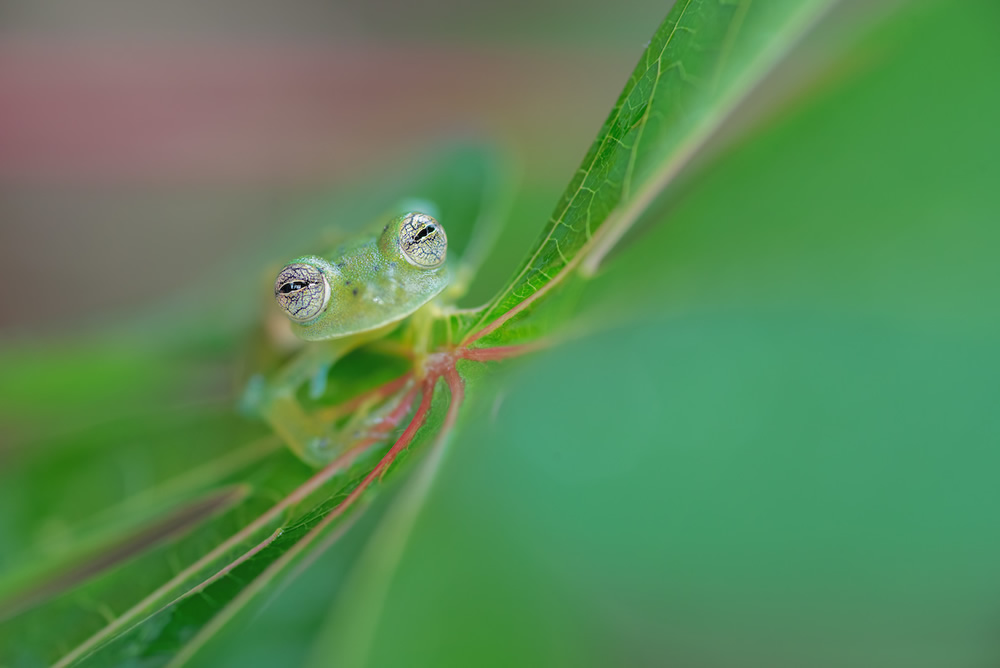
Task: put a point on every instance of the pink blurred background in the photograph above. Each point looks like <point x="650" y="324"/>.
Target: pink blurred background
<point x="137" y="139"/>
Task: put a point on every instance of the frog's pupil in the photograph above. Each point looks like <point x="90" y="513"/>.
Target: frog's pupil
<point x="423" y="233"/>
<point x="292" y="286"/>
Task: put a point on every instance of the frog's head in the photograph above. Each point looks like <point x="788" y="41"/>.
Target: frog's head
<point x="366" y="284"/>
<point x="302" y="291"/>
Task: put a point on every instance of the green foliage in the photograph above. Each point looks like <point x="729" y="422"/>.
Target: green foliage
<point x="700" y="64"/>
<point x="771" y="441"/>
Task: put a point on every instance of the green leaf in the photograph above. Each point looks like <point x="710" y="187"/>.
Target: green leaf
<point x="701" y="64"/>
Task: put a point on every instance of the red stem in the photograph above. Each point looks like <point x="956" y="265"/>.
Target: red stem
<point x="379" y="392"/>
<point x="388" y="423"/>
<point x="407" y="436"/>
<point x="457" y="390"/>
<point x="497" y="352"/>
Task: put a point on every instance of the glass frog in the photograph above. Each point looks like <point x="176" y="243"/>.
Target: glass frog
<point x="336" y="302"/>
<point x="385" y="289"/>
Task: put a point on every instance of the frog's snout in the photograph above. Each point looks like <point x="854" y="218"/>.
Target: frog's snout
<point x="301" y="291"/>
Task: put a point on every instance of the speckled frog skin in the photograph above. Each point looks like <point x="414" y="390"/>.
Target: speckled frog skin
<point x="337" y="302"/>
<point x="366" y="284"/>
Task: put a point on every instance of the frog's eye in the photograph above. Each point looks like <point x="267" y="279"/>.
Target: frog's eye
<point x="301" y="291"/>
<point x="422" y="241"/>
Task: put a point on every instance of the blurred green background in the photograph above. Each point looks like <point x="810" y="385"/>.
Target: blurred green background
<point x="775" y="440"/>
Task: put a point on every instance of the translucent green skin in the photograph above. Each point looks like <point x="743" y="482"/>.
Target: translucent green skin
<point x="356" y="294"/>
<point x="372" y="285"/>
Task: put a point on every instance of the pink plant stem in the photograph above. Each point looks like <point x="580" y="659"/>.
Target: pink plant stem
<point x="389" y="422"/>
<point x="406" y="438"/>
<point x="496" y="353"/>
<point x="457" y="390"/>
<point x="379" y="392"/>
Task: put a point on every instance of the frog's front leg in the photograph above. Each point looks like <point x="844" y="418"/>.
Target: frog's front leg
<point x="310" y="436"/>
